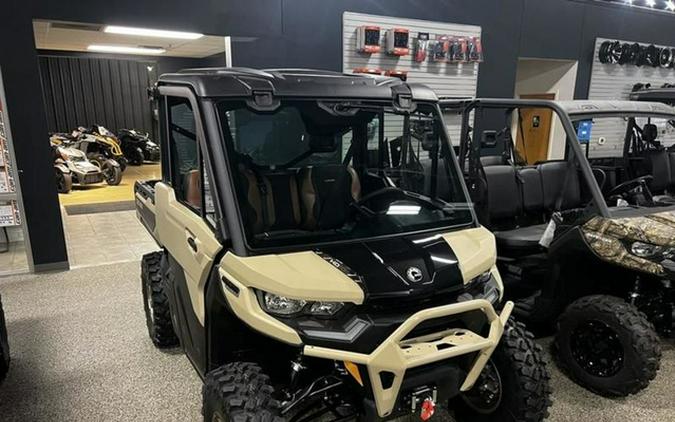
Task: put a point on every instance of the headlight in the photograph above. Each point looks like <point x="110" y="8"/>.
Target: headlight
<point x="284" y="306"/>
<point x="281" y="305"/>
<point x="645" y="250"/>
<point x="325" y="308"/>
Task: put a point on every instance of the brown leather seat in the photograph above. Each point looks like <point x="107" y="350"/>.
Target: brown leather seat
<point x="193" y="189"/>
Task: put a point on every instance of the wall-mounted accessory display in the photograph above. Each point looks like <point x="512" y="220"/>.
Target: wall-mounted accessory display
<point x="368" y="39"/>
<point x="421" y="47"/>
<point x="397" y="41"/>
<point x="401" y="74"/>
<point x="368" y="70"/>
<point x="616" y="52"/>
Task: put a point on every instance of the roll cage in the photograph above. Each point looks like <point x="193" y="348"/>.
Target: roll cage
<point x="483" y="111"/>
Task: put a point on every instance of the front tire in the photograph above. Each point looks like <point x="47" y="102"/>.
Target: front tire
<point x="239" y="392"/>
<point x="64" y="182"/>
<point x="156" y="302"/>
<point x="4" y="346"/>
<point x="607" y="346"/>
<point x="112" y="173"/>
<point x="514" y="386"/>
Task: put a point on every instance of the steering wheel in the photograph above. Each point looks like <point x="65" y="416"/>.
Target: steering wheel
<point x="632" y="188"/>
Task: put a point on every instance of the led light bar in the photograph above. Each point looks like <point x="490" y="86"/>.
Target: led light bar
<point x="144" y="32"/>
<point x="121" y="49"/>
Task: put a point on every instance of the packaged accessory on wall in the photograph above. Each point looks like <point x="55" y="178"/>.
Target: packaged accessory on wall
<point x="421" y="46"/>
<point x="368" y="39"/>
<point x="459" y="50"/>
<point x="368" y="70"/>
<point x="440" y="50"/>
<point x="397" y="41"/>
<point x="401" y="74"/>
<point x="476" y="50"/>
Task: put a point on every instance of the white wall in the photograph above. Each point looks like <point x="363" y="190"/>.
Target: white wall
<point x="535" y="76"/>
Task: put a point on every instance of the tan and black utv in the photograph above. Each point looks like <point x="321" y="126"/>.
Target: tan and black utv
<point x="310" y="270"/>
<point x="597" y="268"/>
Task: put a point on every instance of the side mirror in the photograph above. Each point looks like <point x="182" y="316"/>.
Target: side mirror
<point x="488" y="139"/>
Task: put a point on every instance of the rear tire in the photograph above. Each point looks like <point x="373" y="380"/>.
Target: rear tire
<point x="239" y="392"/>
<point x="521" y="376"/>
<point x="607" y="346"/>
<point x="4" y="346"/>
<point x="156" y="302"/>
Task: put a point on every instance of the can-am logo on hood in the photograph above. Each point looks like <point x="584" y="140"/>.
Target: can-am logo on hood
<point x="414" y="274"/>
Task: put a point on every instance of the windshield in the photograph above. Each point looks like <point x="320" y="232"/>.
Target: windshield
<point x="314" y="172"/>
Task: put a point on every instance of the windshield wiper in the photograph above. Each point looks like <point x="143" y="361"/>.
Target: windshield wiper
<point x="432" y="202"/>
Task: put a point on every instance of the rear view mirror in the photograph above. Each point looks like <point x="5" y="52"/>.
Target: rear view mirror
<point x="488" y="139"/>
<point x="322" y="143"/>
<point x="650" y="132"/>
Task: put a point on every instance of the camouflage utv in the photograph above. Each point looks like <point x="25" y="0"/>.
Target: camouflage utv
<point x="596" y="267"/>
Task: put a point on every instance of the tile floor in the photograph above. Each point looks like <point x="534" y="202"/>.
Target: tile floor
<point x="14" y="261"/>
<point x="105" y="238"/>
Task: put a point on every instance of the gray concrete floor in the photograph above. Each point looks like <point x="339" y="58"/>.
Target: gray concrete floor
<point x="80" y="352"/>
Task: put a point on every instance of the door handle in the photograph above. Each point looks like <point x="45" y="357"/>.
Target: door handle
<point x="192" y="243"/>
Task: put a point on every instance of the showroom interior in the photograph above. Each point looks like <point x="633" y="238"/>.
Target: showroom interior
<point x="103" y="241"/>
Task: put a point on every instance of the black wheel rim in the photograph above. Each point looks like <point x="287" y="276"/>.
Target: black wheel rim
<point x="60" y="181"/>
<point x="596" y="348"/>
<point x="486" y="394"/>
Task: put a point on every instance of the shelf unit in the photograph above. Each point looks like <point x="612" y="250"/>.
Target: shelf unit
<point x="11" y="205"/>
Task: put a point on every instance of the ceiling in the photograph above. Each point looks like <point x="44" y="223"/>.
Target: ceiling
<point x="68" y="36"/>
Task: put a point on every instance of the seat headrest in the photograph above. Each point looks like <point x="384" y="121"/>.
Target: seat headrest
<point x="650" y="132"/>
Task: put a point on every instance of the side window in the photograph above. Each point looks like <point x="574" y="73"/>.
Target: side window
<point x="184" y="153"/>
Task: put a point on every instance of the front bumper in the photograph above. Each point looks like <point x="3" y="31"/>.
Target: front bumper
<point x="398" y="353"/>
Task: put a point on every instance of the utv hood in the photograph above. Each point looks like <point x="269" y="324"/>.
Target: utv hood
<point x="403" y="268"/>
<point x="657" y="229"/>
<point x="610" y="238"/>
<point x="412" y="267"/>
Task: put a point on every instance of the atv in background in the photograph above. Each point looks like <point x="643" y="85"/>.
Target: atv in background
<point x="310" y="222"/>
<point x="137" y="146"/>
<point x="71" y="166"/>
<point x="566" y="258"/>
<point x="100" y="145"/>
<point x="4" y="345"/>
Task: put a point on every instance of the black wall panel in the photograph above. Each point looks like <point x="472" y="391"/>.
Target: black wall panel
<point x="80" y="91"/>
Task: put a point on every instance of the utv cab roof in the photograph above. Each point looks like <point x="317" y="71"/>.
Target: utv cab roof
<point x="577" y="109"/>
<point x="298" y="83"/>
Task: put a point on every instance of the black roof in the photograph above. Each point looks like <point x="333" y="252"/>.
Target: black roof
<point x="241" y="82"/>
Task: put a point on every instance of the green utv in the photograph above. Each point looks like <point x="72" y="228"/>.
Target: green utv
<point x="310" y="270"/>
<point x="596" y="266"/>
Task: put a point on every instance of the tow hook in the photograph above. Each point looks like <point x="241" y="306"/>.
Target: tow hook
<point x="428" y="409"/>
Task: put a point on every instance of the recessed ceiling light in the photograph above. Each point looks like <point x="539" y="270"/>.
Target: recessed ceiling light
<point x="121" y="49"/>
<point x="144" y="32"/>
<point x="650" y="3"/>
<point x="670" y="5"/>
<point x="629" y="2"/>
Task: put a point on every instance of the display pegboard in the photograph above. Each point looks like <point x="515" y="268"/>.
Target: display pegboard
<point x="615" y="82"/>
<point x="446" y="79"/>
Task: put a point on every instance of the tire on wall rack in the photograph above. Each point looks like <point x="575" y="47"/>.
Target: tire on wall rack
<point x="607" y="345"/>
<point x="239" y="391"/>
<point x="513" y="387"/>
<point x="156" y="302"/>
<point x="4" y="345"/>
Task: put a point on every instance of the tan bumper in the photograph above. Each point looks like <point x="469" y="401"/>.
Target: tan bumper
<point x="396" y="355"/>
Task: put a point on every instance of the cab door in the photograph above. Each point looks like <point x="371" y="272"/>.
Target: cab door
<point x="183" y="223"/>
